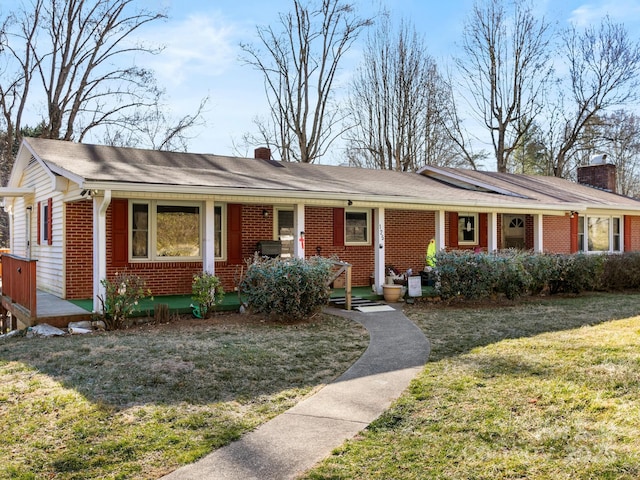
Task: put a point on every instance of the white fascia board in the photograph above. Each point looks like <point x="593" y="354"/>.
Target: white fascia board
<point x="65" y="173"/>
<point x="476" y="206"/>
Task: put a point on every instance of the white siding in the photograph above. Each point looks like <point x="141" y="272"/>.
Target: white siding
<point x="50" y="267"/>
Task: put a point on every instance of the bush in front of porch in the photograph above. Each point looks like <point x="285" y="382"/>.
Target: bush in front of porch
<point x="289" y="289"/>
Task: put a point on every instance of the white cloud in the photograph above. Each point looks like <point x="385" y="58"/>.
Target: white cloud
<point x="200" y="45"/>
<point x="619" y="10"/>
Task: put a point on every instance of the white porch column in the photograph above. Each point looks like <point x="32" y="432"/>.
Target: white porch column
<point x="492" y="234"/>
<point x="440" y="230"/>
<point x="379" y="253"/>
<point x="209" y="241"/>
<point x="298" y="222"/>
<point x="538" y="246"/>
<point x="100" y="205"/>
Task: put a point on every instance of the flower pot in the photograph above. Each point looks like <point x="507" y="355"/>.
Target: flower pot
<point x="391" y="293"/>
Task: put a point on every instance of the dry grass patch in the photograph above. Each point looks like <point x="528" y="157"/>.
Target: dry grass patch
<point x="538" y="390"/>
<point x="139" y="403"/>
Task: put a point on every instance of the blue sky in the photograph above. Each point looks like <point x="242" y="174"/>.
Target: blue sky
<point x="201" y="55"/>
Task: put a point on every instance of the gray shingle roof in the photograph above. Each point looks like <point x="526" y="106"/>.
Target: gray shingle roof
<point x="166" y="170"/>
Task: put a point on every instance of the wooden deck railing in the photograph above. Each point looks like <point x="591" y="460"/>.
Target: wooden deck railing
<point x="19" y="284"/>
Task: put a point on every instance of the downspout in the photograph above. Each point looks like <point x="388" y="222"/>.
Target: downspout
<point x="100" y="206"/>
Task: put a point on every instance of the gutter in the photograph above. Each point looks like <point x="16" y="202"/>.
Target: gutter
<point x="341" y="198"/>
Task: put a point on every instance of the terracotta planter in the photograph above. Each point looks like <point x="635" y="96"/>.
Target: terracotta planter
<point x="391" y="293"/>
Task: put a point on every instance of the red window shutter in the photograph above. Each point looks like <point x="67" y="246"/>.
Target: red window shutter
<point x="120" y="232"/>
<point x="234" y="234"/>
<point x="453" y="229"/>
<point x="573" y="232"/>
<point x="50" y="221"/>
<point x="39" y="222"/>
<point x="338" y="227"/>
<point x="483" y="237"/>
<point x="627" y="233"/>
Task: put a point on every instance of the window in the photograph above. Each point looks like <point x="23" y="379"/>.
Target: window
<point x="356" y="227"/>
<point x="219" y="227"/>
<point x="599" y="234"/>
<point x="45" y="222"/>
<point x="467" y="229"/>
<point x="162" y="231"/>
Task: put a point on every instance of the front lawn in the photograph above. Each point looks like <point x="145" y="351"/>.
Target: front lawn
<point x="540" y="390"/>
<point x="139" y="403"/>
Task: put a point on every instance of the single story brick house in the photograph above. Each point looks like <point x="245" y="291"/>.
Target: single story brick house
<point x="86" y="212"/>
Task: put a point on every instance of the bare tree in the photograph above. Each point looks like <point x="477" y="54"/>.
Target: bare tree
<point x="77" y="58"/>
<point x="157" y="129"/>
<point x="71" y="52"/>
<point x="396" y="102"/>
<point x="604" y="65"/>
<point x="505" y="67"/>
<point x="299" y="61"/>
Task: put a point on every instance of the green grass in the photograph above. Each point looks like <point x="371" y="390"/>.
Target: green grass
<point x="539" y="390"/>
<point x="139" y="403"/>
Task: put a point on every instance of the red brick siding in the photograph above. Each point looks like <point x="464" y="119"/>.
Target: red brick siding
<point x="79" y="249"/>
<point x="318" y="232"/>
<point x="528" y="232"/>
<point x="557" y="238"/>
<point x="407" y="234"/>
<point x="255" y="227"/>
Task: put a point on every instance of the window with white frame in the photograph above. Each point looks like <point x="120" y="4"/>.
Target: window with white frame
<point x="467" y="229"/>
<point x="599" y="233"/>
<point x="165" y="230"/>
<point x="357" y="229"/>
<point x="220" y="244"/>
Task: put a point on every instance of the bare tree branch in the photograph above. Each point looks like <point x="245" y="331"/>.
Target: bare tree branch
<point x="299" y="62"/>
<point x="505" y="69"/>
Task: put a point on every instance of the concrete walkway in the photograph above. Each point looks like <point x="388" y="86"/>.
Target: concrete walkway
<point x="295" y="441"/>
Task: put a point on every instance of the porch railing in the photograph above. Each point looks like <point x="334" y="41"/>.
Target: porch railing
<point x="19" y="285"/>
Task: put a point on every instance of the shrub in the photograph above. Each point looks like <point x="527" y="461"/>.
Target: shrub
<point x="621" y="271"/>
<point x="207" y="292"/>
<point x="463" y="274"/>
<point x="290" y="289"/>
<point x="512" y="273"/>
<point x="121" y="299"/>
<point x="575" y="273"/>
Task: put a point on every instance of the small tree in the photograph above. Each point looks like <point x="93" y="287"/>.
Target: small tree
<point x="122" y="296"/>
<point x="207" y="292"/>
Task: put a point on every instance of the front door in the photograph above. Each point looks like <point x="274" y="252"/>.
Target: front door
<point x="514" y="231"/>
<point x="284" y="231"/>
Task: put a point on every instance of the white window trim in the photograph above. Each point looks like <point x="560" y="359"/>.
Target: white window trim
<point x="223" y="231"/>
<point x="475" y="240"/>
<point x="152" y="229"/>
<point x="274" y="221"/>
<point x="358" y="210"/>
<point x="585" y="233"/>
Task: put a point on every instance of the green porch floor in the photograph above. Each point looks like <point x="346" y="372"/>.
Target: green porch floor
<point x="230" y="303"/>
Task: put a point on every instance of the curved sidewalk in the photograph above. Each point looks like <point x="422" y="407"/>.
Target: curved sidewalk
<point x="295" y="441"/>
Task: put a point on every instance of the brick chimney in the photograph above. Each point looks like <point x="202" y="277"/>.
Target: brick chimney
<point x="263" y="153"/>
<point x="598" y="174"/>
